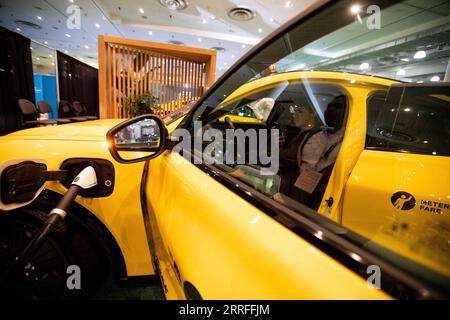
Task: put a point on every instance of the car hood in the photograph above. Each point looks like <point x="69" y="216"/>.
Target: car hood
<point x="78" y="131"/>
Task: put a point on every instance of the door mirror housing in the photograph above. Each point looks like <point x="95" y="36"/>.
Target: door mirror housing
<point x="138" y="139"/>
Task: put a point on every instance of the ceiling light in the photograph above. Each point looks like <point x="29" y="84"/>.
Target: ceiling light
<point x="45" y="42"/>
<point x="97" y="25"/>
<point x="53" y="63"/>
<point x="204" y="21"/>
<point x="39" y="17"/>
<point x="141" y="10"/>
<point x="288" y="4"/>
<point x="405" y="59"/>
<point x="353" y="81"/>
<point x="401" y="72"/>
<point x="259" y="30"/>
<point x="420" y="81"/>
<point x="18" y="29"/>
<point x="71" y="1"/>
<point x="243" y="46"/>
<point x="435" y="79"/>
<point x="81" y="58"/>
<point x="31" y="48"/>
<point x="213" y="17"/>
<point x="51" y="56"/>
<point x="364" y="66"/>
<point x="86" y="47"/>
<point x="199" y="39"/>
<point x="355" y="9"/>
<point x="420" y="54"/>
<point x="66" y="52"/>
<point x="38" y="58"/>
<point x="150" y="33"/>
<point x="272" y="20"/>
<point x="68" y="35"/>
<point x="232" y="57"/>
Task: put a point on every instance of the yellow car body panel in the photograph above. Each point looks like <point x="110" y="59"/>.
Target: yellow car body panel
<point x="420" y="233"/>
<point x="121" y="211"/>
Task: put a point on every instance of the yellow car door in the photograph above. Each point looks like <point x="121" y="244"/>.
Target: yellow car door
<point x="218" y="245"/>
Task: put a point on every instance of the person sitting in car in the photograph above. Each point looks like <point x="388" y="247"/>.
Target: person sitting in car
<point x="315" y="155"/>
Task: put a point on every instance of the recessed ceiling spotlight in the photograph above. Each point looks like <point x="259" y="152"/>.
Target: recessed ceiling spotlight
<point x="39" y="17"/>
<point x="355" y="9"/>
<point x="67" y="35"/>
<point x="86" y="47"/>
<point x="435" y="79"/>
<point x="232" y="57"/>
<point x="53" y="63"/>
<point x="31" y="48"/>
<point x="66" y="52"/>
<point x="213" y="17"/>
<point x="420" y="55"/>
<point x="260" y="30"/>
<point x="288" y="4"/>
<point x="174" y="4"/>
<point x="18" y="29"/>
<point x="199" y="39"/>
<point x="50" y="55"/>
<point x="45" y="42"/>
<point x="401" y="72"/>
<point x="141" y="10"/>
<point x="71" y="1"/>
<point x="81" y="58"/>
<point x="204" y="21"/>
<point x="38" y="58"/>
<point x="150" y="33"/>
<point x="364" y="66"/>
<point x="243" y="46"/>
<point x="97" y="25"/>
<point x="405" y="59"/>
<point x="272" y="20"/>
<point x="241" y="13"/>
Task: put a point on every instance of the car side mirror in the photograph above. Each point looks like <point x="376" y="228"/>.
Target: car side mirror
<point x="137" y="139"/>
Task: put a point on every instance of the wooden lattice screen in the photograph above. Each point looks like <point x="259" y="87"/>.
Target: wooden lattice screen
<point x="174" y="74"/>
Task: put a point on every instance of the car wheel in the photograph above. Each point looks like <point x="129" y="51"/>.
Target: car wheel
<point x="46" y="276"/>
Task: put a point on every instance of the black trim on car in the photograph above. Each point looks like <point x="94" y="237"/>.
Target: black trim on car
<point x="148" y="225"/>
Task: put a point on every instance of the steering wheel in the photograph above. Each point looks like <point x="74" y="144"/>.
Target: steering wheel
<point x="229" y="123"/>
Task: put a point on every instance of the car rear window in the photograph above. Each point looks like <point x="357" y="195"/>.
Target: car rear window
<point x="412" y="119"/>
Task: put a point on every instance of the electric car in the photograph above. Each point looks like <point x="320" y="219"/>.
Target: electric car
<point x="299" y="183"/>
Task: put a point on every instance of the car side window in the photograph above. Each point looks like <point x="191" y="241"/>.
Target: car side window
<point x="414" y="119"/>
<point x="308" y="119"/>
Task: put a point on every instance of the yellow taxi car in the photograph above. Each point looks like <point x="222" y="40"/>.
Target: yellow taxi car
<point x="304" y="183"/>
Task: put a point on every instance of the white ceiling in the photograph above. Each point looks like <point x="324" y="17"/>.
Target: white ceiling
<point x="204" y="23"/>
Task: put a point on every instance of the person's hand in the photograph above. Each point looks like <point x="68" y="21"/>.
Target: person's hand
<point x="279" y="135"/>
